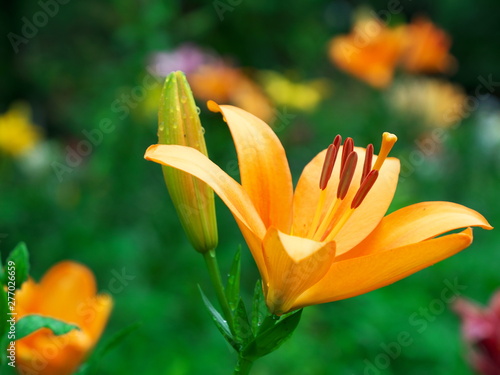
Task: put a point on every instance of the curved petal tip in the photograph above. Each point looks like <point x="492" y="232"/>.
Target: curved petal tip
<point x="213" y="106"/>
<point x="150" y="150"/>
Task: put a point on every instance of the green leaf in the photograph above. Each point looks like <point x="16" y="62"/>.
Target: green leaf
<point x="242" y="328"/>
<point x="272" y="338"/>
<point x="233" y="281"/>
<point x="4" y="324"/>
<point x="110" y="344"/>
<point x="219" y="321"/>
<point x="259" y="308"/>
<point x="17" y="267"/>
<point x="2" y="272"/>
<point x="31" y="323"/>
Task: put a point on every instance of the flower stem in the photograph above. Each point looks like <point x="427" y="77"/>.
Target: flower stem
<point x="215" y="277"/>
<point x="243" y="366"/>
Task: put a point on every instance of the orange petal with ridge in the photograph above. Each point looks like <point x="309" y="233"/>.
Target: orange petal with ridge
<point x="294" y="264"/>
<point x="192" y="161"/>
<point x="416" y="223"/>
<point x="264" y="170"/>
<point x="352" y="277"/>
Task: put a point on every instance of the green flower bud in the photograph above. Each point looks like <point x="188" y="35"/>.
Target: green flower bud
<point x="179" y="124"/>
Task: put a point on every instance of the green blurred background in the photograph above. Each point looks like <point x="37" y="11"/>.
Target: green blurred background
<point x="112" y="211"/>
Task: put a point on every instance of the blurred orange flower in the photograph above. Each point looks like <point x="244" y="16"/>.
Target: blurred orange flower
<point x="327" y="240"/>
<point x="66" y="292"/>
<point x="370" y="52"/>
<point x="427" y="49"/>
<point x="227" y="84"/>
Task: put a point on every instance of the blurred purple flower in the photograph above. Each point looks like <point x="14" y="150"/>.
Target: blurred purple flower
<point x="481" y="331"/>
<point x="187" y="58"/>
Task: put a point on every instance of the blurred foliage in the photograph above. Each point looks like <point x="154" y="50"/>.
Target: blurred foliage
<point x="111" y="210"/>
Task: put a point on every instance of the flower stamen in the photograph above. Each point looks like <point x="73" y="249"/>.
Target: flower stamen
<point x="326" y="173"/>
<point x="330" y="224"/>
<point x="388" y="141"/>
<point x="365" y="187"/>
<point x="367" y="167"/>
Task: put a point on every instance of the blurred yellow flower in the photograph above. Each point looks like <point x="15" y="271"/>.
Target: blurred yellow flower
<point x="17" y="133"/>
<point x="433" y="102"/>
<point x="328" y="239"/>
<point x="427" y="48"/>
<point x="370" y="52"/>
<point x="302" y="96"/>
<point x="224" y="83"/>
<point x="66" y="292"/>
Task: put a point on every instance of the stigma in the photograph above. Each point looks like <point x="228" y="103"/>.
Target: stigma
<point x="327" y="223"/>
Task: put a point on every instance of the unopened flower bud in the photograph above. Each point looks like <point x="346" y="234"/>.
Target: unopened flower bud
<point x="179" y="124"/>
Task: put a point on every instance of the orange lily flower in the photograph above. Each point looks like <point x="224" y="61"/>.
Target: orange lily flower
<point x="327" y="240"/>
<point x="370" y="52"/>
<point x="66" y="292"/>
<point x="428" y="48"/>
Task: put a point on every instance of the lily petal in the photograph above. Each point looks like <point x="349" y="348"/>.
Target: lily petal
<point x="294" y="265"/>
<point x="364" y="219"/>
<point x="416" y="223"/>
<point x="352" y="277"/>
<point x="66" y="284"/>
<point x="265" y="174"/>
<point x="195" y="163"/>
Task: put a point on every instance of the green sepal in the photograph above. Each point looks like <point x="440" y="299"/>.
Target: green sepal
<point x="110" y="344"/>
<point x="233" y="281"/>
<point x="259" y="308"/>
<point x="270" y="339"/>
<point x="242" y="328"/>
<point x="31" y="323"/>
<point x="219" y="321"/>
<point x="19" y="259"/>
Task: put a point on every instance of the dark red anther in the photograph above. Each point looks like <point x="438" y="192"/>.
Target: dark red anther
<point x="367" y="167"/>
<point x="364" y="189"/>
<point x="347" y="174"/>
<point x="348" y="148"/>
<point x="337" y="141"/>
<point x="326" y="173"/>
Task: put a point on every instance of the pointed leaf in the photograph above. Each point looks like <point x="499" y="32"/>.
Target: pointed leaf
<point x="271" y="339"/>
<point x="219" y="321"/>
<point x="110" y="344"/>
<point x="243" y="330"/>
<point x="19" y="260"/>
<point x="259" y="308"/>
<point x="31" y="323"/>
<point x="233" y="281"/>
